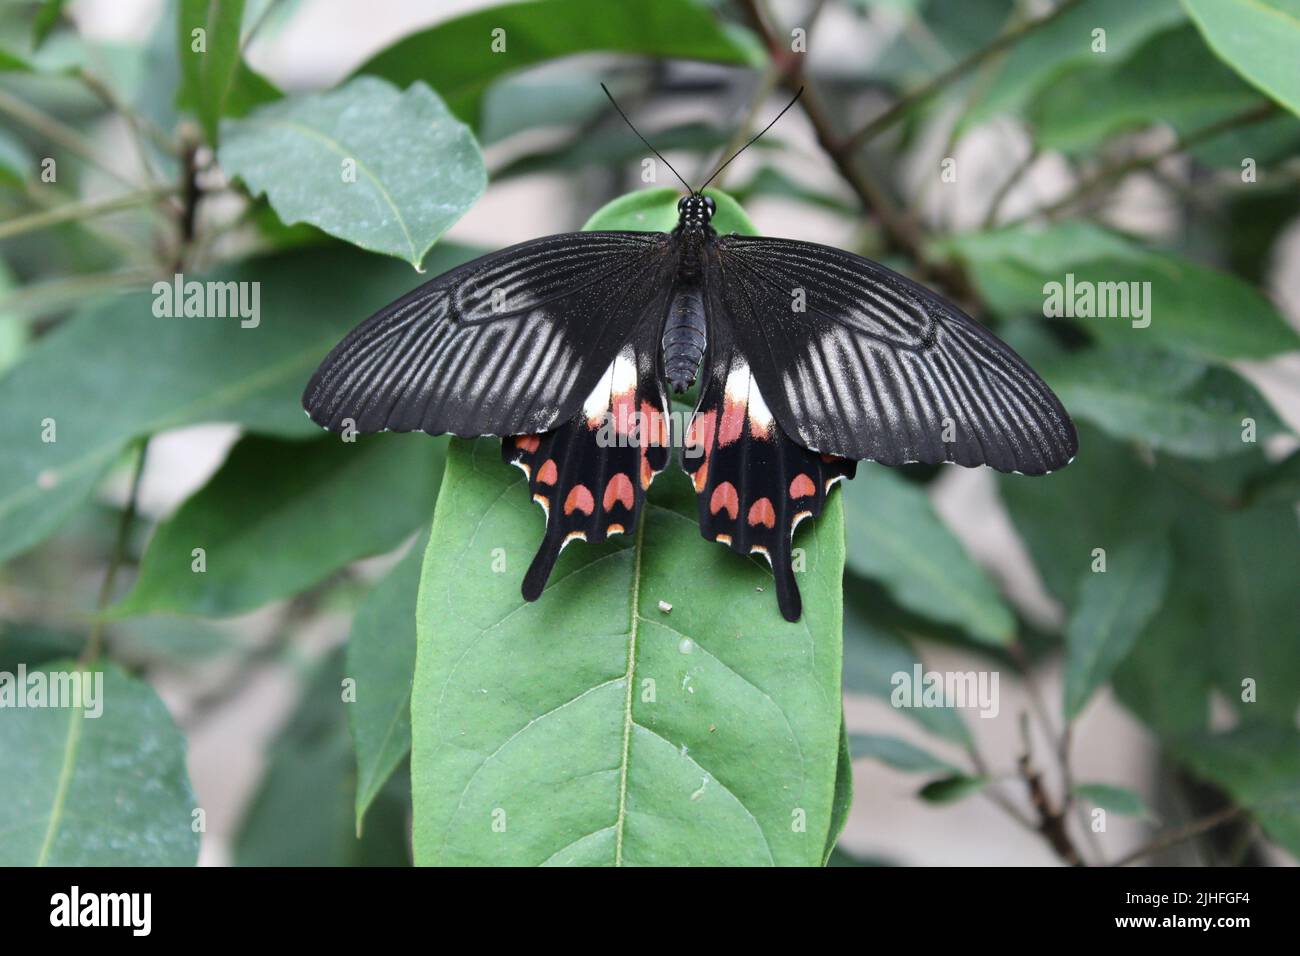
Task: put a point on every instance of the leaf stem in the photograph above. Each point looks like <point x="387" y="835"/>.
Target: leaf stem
<point x="905" y="104"/>
<point x="1182" y="834"/>
<point x="94" y="645"/>
<point x="87" y="209"/>
<point x="59" y="134"/>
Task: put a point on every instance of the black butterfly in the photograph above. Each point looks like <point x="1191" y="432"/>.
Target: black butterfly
<point x="809" y="359"/>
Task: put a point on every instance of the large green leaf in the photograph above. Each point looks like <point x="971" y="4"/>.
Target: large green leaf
<point x="895" y="537"/>
<point x="123" y="372"/>
<point x="1260" y="768"/>
<point x="457" y="57"/>
<point x="301" y="814"/>
<point x="1113" y="607"/>
<point x="215" y="82"/>
<point x="281" y="516"/>
<point x="387" y="170"/>
<point x="1166" y="401"/>
<point x="1184" y="310"/>
<point x="381" y="659"/>
<point x="106" y="790"/>
<point x="1258" y="39"/>
<point x="595" y="727"/>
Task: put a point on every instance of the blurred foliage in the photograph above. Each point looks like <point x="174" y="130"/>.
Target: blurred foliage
<point x="1185" y="487"/>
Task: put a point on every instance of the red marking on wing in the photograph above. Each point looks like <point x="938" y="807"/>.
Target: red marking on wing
<point x="546" y="475"/>
<point x="761" y="432"/>
<point x="647" y="473"/>
<point x="623" y="409"/>
<point x="762" y="512"/>
<point x="701" y="431"/>
<point x="733" y="422"/>
<point x="529" y="443"/>
<point x="701" y="477"/>
<point x="619" y="490"/>
<point x="724" y="496"/>
<point x="654" y="429"/>
<point x="580" y="499"/>
<point x="802" y="487"/>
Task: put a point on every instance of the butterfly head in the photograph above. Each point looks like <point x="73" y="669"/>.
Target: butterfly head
<point x="695" y="211"/>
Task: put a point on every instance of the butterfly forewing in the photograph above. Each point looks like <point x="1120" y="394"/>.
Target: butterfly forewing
<point x="506" y="344"/>
<point x="857" y="361"/>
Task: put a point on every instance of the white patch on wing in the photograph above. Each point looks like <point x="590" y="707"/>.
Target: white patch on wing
<point x="742" y="390"/>
<point x="618" y="379"/>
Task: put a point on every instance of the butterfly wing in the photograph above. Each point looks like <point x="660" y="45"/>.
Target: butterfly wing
<point x="877" y="367"/>
<point x="591" y="474"/>
<point x="753" y="484"/>
<point x="506" y="344"/>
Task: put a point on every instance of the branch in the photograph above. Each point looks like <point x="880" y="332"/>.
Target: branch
<point x="95" y="644"/>
<point x="1180" y="835"/>
<point x="1051" y="821"/>
<point x="961" y="68"/>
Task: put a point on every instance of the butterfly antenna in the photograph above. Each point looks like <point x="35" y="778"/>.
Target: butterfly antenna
<point x="643" y="139"/>
<point x="754" y="140"/>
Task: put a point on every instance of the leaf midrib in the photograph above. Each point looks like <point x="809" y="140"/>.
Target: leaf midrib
<point x="634" y="626"/>
<point x="70" y="747"/>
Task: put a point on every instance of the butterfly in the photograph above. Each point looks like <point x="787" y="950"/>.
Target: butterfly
<point x="808" y="359"/>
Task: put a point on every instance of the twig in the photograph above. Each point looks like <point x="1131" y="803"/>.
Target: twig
<point x="1004" y="190"/>
<point x="95" y="643"/>
<point x="962" y="67"/>
<point x="1051" y="821"/>
<point x="59" y="134"/>
<point x="78" y="210"/>
<point x="1174" y="837"/>
<point x="1181" y="144"/>
<point x="51" y="296"/>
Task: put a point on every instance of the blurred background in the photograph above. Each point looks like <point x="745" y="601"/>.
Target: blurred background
<point x="1127" y="161"/>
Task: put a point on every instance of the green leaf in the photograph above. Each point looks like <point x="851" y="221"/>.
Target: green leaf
<point x="16" y="163"/>
<point x="843" y="801"/>
<point x="655" y="210"/>
<point x="32" y="643"/>
<point x="1260" y="768"/>
<point x="386" y="170"/>
<point x="381" y="659"/>
<point x="279" y="517"/>
<point x="457" y="57"/>
<point x="1113" y="607"/>
<point x="215" y="82"/>
<point x="84" y="790"/>
<point x="1044" y="56"/>
<point x="543" y="710"/>
<point x="875" y="651"/>
<point x="593" y="726"/>
<point x="1166" y="401"/>
<point x="1258" y="39"/>
<point x="951" y="789"/>
<point x="1114" y="799"/>
<point x="47" y="17"/>
<point x="302" y="812"/>
<point x="1171" y="79"/>
<point x="898" y="753"/>
<point x="895" y="537"/>
<point x="1016" y="265"/>
<point x="124" y="373"/>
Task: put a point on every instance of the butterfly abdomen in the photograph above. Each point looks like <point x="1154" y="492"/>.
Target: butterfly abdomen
<point x="684" y="337"/>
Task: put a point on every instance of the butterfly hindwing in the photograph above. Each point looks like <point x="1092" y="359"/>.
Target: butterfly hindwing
<point x="591" y="474"/>
<point x="859" y="361"/>
<point x="753" y="484"/>
<point x="506" y="344"/>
